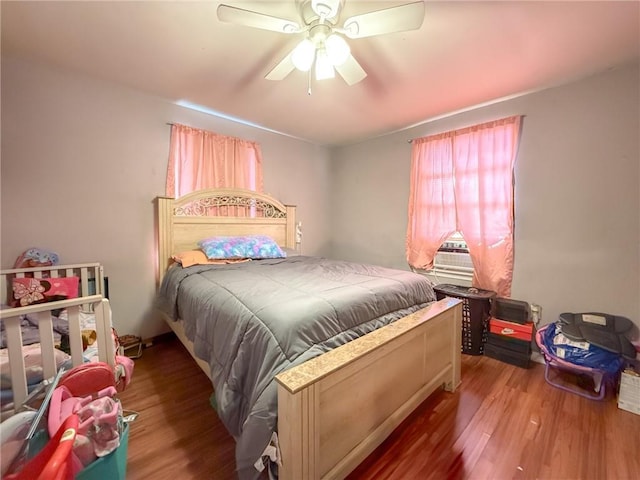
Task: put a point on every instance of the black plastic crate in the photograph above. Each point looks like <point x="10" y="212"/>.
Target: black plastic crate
<point x="511" y="310"/>
<point x="507" y="355"/>
<point x="516" y="345"/>
<point x="476" y="307"/>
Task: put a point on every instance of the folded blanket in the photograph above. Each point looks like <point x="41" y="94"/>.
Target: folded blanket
<point x="32" y="363"/>
<point x="30" y="334"/>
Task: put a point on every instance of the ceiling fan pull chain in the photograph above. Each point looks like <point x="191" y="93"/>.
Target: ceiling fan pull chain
<point x="309" y="83"/>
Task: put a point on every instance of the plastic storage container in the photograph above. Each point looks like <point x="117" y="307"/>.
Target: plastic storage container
<point x="476" y="307"/>
<point x="109" y="467"/>
<point x="508" y="349"/>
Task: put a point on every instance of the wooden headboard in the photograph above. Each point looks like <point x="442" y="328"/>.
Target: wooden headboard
<point x="182" y="222"/>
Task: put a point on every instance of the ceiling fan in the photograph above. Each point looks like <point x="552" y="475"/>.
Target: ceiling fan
<point x="323" y="44"/>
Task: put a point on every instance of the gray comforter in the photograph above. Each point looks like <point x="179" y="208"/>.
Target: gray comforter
<point x="252" y="320"/>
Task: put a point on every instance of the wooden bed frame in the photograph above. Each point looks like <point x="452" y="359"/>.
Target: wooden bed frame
<point x="335" y="409"/>
<point x="90" y="298"/>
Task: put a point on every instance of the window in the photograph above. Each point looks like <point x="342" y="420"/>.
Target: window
<point x="199" y="159"/>
<point x="462" y="181"/>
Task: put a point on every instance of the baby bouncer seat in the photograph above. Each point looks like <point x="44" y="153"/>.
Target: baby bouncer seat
<point x="591" y="345"/>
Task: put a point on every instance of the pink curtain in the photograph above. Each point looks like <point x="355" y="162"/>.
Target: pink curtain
<point x="199" y="159"/>
<point x="432" y="214"/>
<point x="484" y="157"/>
<point x="480" y="160"/>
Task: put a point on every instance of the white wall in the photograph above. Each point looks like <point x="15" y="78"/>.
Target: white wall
<point x="82" y="161"/>
<point x="577" y="237"/>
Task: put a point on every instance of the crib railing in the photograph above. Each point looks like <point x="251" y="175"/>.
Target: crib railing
<point x="90" y="298"/>
<point x="90" y="275"/>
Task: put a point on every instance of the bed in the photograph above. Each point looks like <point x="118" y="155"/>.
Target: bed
<point x="369" y="375"/>
<point x="89" y="311"/>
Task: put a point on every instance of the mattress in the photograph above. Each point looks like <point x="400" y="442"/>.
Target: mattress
<point x="250" y="321"/>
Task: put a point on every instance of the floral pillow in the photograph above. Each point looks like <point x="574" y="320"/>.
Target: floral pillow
<point x="40" y="290"/>
<point x="244" y="246"/>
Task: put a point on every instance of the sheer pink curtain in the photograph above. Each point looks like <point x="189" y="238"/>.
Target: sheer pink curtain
<point x="432" y="215"/>
<point x="484" y="156"/>
<point x="199" y="159"/>
<point x="478" y="163"/>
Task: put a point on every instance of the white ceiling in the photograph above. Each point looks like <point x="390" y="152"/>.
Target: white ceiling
<point x="465" y="54"/>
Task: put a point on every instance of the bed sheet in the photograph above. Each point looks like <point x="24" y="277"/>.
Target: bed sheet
<point x="253" y="320"/>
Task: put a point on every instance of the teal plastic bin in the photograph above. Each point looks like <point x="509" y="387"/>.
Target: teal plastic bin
<point x="113" y="466"/>
<point x="110" y="467"/>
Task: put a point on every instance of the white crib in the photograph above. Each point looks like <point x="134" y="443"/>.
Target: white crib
<point x="90" y="299"/>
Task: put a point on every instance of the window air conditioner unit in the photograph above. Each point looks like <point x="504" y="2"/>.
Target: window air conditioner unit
<point x="454" y="256"/>
<point x="452" y="263"/>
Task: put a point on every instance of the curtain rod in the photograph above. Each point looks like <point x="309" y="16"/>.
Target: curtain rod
<point x="462" y="128"/>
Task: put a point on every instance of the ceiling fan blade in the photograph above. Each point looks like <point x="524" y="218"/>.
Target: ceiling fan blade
<point x="394" y="19"/>
<point x="282" y="69"/>
<point x="351" y="71"/>
<point x="227" y="13"/>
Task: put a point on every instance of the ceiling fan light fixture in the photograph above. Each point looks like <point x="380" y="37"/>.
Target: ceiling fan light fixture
<point x="337" y="49"/>
<point x="303" y="55"/>
<point x="324" y="67"/>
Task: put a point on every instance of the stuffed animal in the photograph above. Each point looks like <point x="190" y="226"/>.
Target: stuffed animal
<point x="36" y="257"/>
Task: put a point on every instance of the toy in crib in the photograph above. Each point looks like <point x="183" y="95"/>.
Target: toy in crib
<point x="36" y="257"/>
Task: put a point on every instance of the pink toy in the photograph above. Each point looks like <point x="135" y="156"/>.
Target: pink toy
<point x="98" y="416"/>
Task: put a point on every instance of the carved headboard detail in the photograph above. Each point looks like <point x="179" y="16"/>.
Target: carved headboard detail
<point x="182" y="222"/>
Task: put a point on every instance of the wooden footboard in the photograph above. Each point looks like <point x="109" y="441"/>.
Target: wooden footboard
<point x="334" y="410"/>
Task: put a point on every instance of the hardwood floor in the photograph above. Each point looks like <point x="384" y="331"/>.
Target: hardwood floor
<point x="177" y="434"/>
<point x="504" y="422"/>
